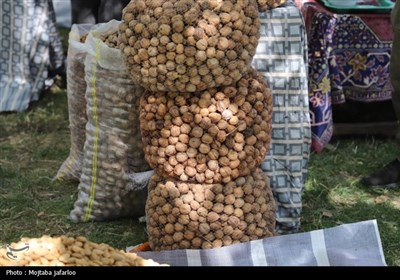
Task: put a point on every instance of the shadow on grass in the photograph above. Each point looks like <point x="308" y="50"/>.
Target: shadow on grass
<point x="334" y="195"/>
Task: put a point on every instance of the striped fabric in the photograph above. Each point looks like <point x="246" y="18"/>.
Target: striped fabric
<point x="356" y="244"/>
<point x="281" y="57"/>
<point x="29" y="44"/>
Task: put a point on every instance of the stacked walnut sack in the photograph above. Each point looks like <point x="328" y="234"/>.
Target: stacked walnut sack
<point x="205" y="120"/>
<point x="112" y="150"/>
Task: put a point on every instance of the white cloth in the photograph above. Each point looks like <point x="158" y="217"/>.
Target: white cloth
<point x="356" y="244"/>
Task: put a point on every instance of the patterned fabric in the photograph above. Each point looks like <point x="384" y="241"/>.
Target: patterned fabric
<point x="282" y="58"/>
<point x="356" y="244"/>
<point x="30" y="44"/>
<point x="349" y="60"/>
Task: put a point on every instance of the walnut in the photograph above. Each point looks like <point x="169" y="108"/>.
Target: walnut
<point x="197" y="30"/>
<point x="205" y="213"/>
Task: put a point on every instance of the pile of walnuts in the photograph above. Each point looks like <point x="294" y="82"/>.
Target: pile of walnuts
<point x="208" y="137"/>
<point x="264" y="5"/>
<point x="183" y="215"/>
<point x="67" y="251"/>
<point x="188" y="45"/>
<point x="205" y="120"/>
<point x="111" y="40"/>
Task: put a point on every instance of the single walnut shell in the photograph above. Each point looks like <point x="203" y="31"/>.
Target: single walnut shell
<point x="199" y="35"/>
<point x="203" y="218"/>
<point x="208" y="137"/>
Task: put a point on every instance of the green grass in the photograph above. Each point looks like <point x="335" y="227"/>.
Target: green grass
<point x="334" y="196"/>
<point x="33" y="145"/>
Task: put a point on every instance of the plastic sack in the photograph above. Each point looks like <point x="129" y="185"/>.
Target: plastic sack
<point x="112" y="151"/>
<point x="70" y="170"/>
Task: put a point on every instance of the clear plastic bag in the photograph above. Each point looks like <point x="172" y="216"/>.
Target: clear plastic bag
<point x="70" y="170"/>
<point x="112" y="151"/>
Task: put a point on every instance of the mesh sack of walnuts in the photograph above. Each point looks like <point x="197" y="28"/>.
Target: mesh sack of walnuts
<point x="182" y="215"/>
<point x="70" y="170"/>
<point x="264" y="5"/>
<point x="67" y="251"/>
<point x="112" y="151"/>
<point x="208" y="137"/>
<point x="189" y="45"/>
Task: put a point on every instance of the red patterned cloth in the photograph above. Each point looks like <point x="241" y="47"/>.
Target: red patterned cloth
<point x="349" y="56"/>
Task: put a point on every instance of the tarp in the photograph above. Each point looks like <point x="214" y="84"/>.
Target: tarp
<point x="356" y="244"/>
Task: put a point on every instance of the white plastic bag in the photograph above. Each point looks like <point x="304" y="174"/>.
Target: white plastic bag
<point x="112" y="150"/>
<point x="70" y="170"/>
